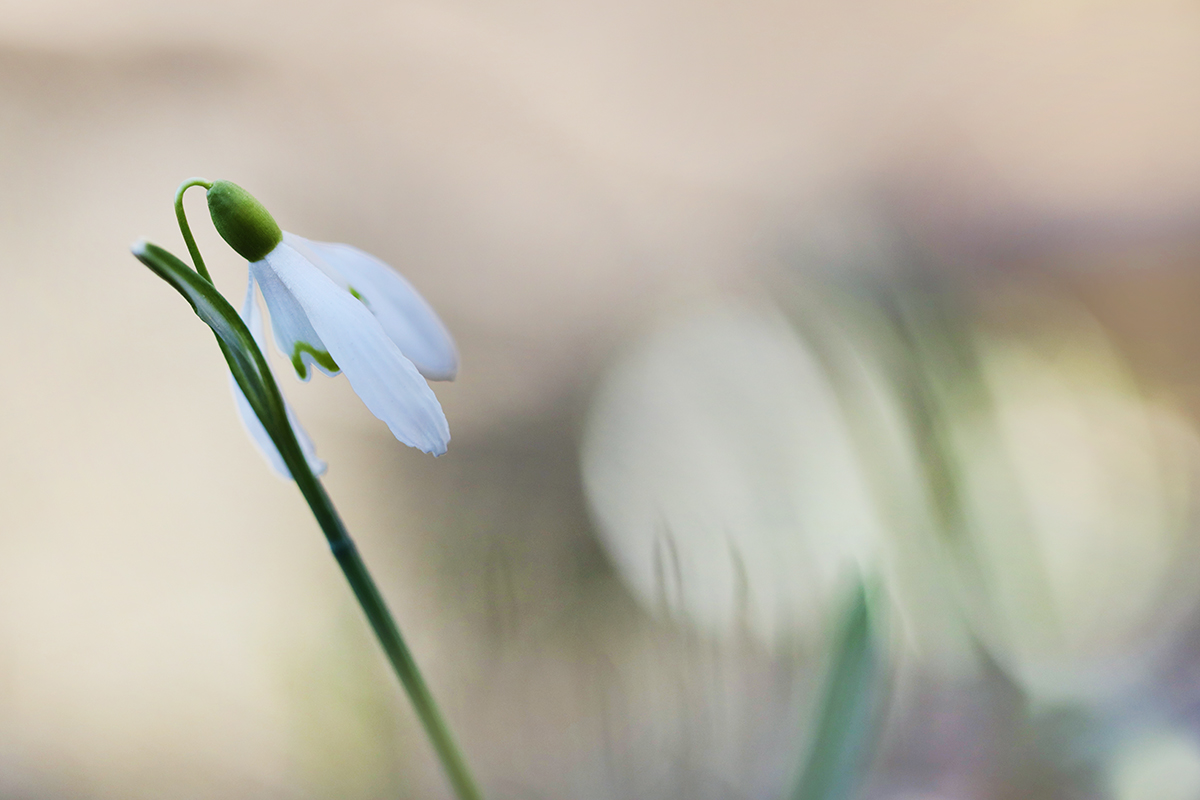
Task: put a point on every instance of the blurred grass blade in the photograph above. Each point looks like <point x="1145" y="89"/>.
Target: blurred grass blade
<point x="845" y="735"/>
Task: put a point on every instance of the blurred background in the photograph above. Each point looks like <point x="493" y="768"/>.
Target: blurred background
<point x="751" y="299"/>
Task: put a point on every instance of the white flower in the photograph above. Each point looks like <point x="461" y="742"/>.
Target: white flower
<point x="722" y="477"/>
<point x="342" y="310"/>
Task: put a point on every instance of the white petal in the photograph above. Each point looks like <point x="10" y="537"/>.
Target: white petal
<point x="253" y="317"/>
<point x="407" y="319"/>
<point x="387" y="382"/>
<point x="294" y="336"/>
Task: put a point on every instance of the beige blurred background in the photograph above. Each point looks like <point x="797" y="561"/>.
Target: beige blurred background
<point x="558" y="180"/>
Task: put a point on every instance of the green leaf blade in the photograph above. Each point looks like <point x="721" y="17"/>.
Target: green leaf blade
<point x="241" y="353"/>
<point x="846" y="729"/>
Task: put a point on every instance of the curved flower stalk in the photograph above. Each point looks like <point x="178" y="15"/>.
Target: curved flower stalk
<point x="346" y="330"/>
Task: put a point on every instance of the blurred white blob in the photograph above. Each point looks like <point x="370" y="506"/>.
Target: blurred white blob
<point x="733" y="485"/>
<point x="720" y="472"/>
<point x="1156" y="765"/>
<point x="1077" y="495"/>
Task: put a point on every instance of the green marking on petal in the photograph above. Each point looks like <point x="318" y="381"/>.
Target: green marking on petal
<point x="354" y="293"/>
<point x="320" y="356"/>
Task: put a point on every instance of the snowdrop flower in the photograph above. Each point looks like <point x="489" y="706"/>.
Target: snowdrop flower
<point x="338" y="309"/>
<point x="722" y="477"/>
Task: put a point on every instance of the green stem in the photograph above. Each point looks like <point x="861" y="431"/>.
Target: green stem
<point x="406" y="669"/>
<point x="185" y="229"/>
<point x="365" y="589"/>
<point x="367" y="593"/>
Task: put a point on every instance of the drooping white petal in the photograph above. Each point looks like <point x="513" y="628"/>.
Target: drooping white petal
<point x="388" y="383"/>
<point x="407" y="319"/>
<point x="294" y="336"/>
<point x="253" y="318"/>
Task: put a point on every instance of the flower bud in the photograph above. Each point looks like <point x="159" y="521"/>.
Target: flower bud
<point x="242" y="221"/>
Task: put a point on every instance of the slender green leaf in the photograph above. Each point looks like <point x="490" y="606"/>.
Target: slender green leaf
<point x="845" y="734"/>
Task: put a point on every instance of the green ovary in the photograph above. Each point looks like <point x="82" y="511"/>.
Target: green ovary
<point x="320" y="356"/>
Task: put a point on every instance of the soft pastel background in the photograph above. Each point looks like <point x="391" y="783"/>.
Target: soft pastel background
<point x="625" y="211"/>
